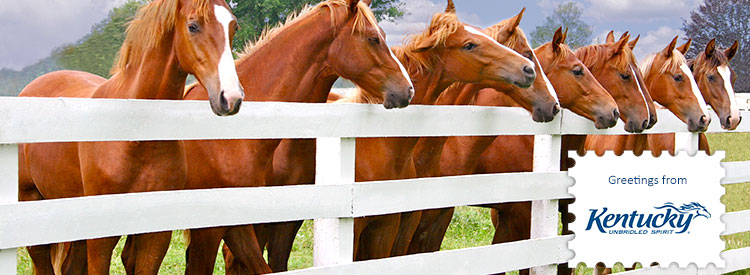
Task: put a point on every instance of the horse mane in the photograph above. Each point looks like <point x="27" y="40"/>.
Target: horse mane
<point x="149" y="26"/>
<point x="596" y="56"/>
<point x="560" y="56"/>
<point x="363" y="16"/>
<point x="671" y="65"/>
<point x="701" y="63"/>
<point x="442" y="26"/>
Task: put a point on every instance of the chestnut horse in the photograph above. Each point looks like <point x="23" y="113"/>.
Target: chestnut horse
<point x="672" y="85"/>
<point x="434" y="222"/>
<point x="615" y="64"/>
<point x="577" y="90"/>
<point x="166" y="41"/>
<point x="334" y="38"/>
<point x="446" y="52"/>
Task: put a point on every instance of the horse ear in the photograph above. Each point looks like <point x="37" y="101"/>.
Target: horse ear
<point x="557" y="39"/>
<point x="670" y="48"/>
<point x="565" y="35"/>
<point x="710" y="48"/>
<point x="732" y="51"/>
<point x="516" y="20"/>
<point x="353" y="4"/>
<point x="611" y="37"/>
<point x="626" y="33"/>
<point x="451" y="8"/>
<point x="684" y="48"/>
<point x="619" y="46"/>
<point x="634" y="42"/>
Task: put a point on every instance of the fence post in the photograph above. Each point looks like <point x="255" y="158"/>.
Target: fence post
<point x="544" y="214"/>
<point x="687" y="142"/>
<point x="8" y="194"/>
<point x="334" y="237"/>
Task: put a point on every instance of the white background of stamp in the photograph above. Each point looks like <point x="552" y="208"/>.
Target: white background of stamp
<point x="593" y="191"/>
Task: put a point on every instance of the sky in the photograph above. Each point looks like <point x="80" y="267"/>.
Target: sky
<point x="30" y="29"/>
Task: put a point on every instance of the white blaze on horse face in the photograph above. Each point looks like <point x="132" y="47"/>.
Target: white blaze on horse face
<point x="400" y="66"/>
<point x="643" y="95"/>
<point x="726" y="75"/>
<point x="482" y="34"/>
<point x="228" y="80"/>
<point x="694" y="87"/>
<point x="551" y="89"/>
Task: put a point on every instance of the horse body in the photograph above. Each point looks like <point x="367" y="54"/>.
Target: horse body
<point x="156" y="50"/>
<point x="296" y="62"/>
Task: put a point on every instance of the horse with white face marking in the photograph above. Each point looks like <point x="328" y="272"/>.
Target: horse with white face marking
<point x="715" y="78"/>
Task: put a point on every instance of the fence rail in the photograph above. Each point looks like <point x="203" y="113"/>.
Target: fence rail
<point x="332" y="202"/>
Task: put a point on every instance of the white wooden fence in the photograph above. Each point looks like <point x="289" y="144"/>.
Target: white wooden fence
<point x="333" y="202"/>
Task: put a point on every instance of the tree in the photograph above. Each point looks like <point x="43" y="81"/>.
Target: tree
<point x="95" y="52"/>
<point x="727" y="21"/>
<point x="255" y="15"/>
<point x="566" y="15"/>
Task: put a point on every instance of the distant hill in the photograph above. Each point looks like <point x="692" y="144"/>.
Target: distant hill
<point x="12" y="81"/>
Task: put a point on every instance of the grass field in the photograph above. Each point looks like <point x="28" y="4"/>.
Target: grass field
<point x="471" y="226"/>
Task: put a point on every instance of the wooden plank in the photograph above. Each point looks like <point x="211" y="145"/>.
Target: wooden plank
<point x="30" y="223"/>
<point x="8" y="194"/>
<point x="385" y="197"/>
<point x="736" y="222"/>
<point x="544" y="213"/>
<point x="27" y="120"/>
<point x="737" y="172"/>
<point x="334" y="237"/>
<point x="480" y="260"/>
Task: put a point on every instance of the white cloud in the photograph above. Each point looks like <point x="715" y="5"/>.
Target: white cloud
<point x="415" y="20"/>
<point x="637" y="10"/>
<point x="417" y="17"/>
<point x="656" y="40"/>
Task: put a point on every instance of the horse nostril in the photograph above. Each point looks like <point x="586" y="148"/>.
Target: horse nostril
<point x="616" y="113"/>
<point x="555" y="109"/>
<point x="729" y="120"/>
<point x="223" y="101"/>
<point x="645" y="124"/>
<point x="704" y="120"/>
<point x="528" y="70"/>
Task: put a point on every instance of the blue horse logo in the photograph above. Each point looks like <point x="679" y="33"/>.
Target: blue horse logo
<point x="700" y="210"/>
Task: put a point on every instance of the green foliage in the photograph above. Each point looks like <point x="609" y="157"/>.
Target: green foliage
<point x="255" y="15"/>
<point x="727" y="21"/>
<point x="566" y="15"/>
<point x="12" y="81"/>
<point x="96" y="52"/>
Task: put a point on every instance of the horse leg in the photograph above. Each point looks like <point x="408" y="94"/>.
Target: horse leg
<point x="128" y="255"/>
<point x="40" y="257"/>
<point x="202" y="250"/>
<point x="150" y="250"/>
<point x="99" y="253"/>
<point x="376" y="241"/>
<point x="27" y="191"/>
<point x="438" y="229"/>
<point x="406" y="229"/>
<point x="75" y="261"/>
<point x="280" y="243"/>
<point x="243" y="245"/>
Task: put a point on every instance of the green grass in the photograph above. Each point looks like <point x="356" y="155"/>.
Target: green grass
<point x="471" y="226"/>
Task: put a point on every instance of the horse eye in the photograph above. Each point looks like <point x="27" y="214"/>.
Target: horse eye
<point x="678" y="78"/>
<point x="625" y="76"/>
<point x="469" y="46"/>
<point x="529" y="56"/>
<point x="578" y="72"/>
<point x="193" y="27"/>
<point x="711" y="78"/>
<point x="374" y="40"/>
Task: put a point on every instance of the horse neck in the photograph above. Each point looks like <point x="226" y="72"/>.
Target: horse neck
<point x="429" y="85"/>
<point x="156" y="75"/>
<point x="277" y="72"/>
